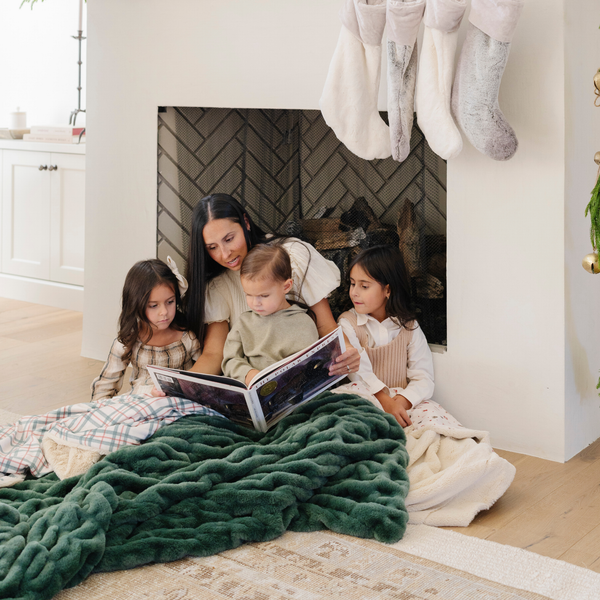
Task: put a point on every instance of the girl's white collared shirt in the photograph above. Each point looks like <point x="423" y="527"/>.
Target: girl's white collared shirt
<point x="420" y="363"/>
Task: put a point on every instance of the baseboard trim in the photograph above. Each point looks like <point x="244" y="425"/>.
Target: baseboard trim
<point x="38" y="291"/>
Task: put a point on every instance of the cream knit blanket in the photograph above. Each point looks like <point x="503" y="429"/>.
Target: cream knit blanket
<point x="454" y="472"/>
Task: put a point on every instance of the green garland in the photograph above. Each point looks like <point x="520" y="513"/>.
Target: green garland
<point x="594" y="209"/>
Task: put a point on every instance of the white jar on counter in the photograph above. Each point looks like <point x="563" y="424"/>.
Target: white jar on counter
<point x="17" y="119"/>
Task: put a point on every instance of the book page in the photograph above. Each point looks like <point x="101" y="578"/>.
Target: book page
<point x="206" y="377"/>
<point x="255" y="381"/>
<point x="227" y="399"/>
<point x="302" y="377"/>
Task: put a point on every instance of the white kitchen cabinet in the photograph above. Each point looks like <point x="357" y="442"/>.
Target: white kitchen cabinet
<point x="67" y="218"/>
<point x="42" y="218"/>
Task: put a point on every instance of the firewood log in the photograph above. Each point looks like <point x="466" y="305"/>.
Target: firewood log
<point x="430" y="287"/>
<point x="410" y="242"/>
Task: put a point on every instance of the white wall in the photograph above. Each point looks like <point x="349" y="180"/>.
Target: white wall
<point x="504" y="368"/>
<point x="582" y="291"/>
<point x="508" y="360"/>
<point x="147" y="53"/>
<point x="38" y="61"/>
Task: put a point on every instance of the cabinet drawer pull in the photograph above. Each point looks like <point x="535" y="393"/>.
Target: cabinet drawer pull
<point x="43" y="167"/>
<point x="53" y="168"/>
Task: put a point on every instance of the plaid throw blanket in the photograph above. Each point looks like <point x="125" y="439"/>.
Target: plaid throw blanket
<point x="103" y="426"/>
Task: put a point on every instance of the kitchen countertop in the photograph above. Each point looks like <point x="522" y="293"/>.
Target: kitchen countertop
<point x="42" y="146"/>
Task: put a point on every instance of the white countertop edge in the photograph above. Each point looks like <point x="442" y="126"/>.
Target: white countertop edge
<point x="42" y="146"/>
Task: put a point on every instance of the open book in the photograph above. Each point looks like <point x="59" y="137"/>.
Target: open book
<point x="273" y="393"/>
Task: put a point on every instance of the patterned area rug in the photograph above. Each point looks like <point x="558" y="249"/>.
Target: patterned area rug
<point x="311" y="566"/>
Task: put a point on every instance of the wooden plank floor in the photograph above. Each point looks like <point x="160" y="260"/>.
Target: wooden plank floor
<point x="551" y="508"/>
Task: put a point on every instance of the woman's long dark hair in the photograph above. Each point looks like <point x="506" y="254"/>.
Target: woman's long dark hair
<point x="385" y="265"/>
<point x="141" y="279"/>
<point x="201" y="267"/>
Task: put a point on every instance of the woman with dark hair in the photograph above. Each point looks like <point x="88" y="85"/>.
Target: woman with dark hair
<point x="222" y="235"/>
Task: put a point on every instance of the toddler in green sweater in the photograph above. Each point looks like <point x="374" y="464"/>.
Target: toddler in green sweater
<point x="274" y="328"/>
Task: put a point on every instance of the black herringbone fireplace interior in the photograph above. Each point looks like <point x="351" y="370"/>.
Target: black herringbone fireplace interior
<point x="295" y="178"/>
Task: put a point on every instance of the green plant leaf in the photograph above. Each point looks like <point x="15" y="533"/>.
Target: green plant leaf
<point x="593" y="208"/>
<point x="30" y="1"/>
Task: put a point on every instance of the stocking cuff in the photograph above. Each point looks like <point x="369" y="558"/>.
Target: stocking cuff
<point x="403" y="21"/>
<point x="444" y="15"/>
<point x="365" y="21"/>
<point x="496" y="18"/>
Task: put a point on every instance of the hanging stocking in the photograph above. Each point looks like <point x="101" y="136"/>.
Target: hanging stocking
<point x="436" y="71"/>
<point x="349" y="100"/>
<point x="479" y="73"/>
<point x="403" y="20"/>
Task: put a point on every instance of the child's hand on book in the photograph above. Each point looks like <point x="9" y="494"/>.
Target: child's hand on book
<point x="250" y="375"/>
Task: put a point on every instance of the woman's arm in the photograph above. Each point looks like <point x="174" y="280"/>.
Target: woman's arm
<point x="212" y="356"/>
<point x="316" y="277"/>
<point x="326" y="324"/>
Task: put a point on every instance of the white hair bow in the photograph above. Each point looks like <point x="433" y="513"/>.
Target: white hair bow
<point x="181" y="280"/>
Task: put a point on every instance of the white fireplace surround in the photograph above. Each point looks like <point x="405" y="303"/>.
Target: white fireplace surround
<point x="523" y="351"/>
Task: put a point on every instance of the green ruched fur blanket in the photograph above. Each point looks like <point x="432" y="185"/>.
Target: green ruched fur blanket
<point x="203" y="485"/>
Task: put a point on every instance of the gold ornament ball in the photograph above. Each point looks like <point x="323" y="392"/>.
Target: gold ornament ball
<point x="597" y="80"/>
<point x="590" y="263"/>
<point x="597" y="158"/>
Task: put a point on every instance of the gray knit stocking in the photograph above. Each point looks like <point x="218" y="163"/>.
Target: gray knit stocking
<point x="478" y="76"/>
<point x="403" y="19"/>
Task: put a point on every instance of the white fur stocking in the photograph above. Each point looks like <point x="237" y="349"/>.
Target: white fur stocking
<point x="349" y="99"/>
<point x="436" y="72"/>
<point x="478" y="76"/>
<point x="403" y="20"/>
